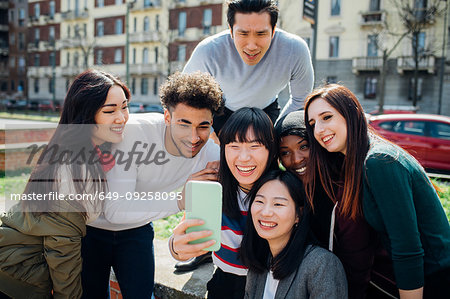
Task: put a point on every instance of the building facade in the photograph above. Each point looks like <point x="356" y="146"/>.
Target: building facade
<point x="4" y="49"/>
<point x="350" y="40"/>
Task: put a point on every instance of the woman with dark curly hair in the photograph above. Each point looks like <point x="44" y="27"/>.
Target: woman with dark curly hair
<point x="40" y="240"/>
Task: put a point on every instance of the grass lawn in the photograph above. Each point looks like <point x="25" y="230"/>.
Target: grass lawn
<point x="43" y="117"/>
<point x="15" y="183"/>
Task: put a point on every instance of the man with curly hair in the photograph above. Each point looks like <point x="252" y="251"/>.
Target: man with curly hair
<point x="158" y="154"/>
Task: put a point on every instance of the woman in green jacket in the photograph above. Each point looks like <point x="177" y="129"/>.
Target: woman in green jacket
<point x="40" y="240"/>
<point x="384" y="184"/>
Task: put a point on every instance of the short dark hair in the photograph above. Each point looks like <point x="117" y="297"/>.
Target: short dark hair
<point x="235" y="129"/>
<point x="249" y="6"/>
<point x="198" y="90"/>
<point x="255" y="251"/>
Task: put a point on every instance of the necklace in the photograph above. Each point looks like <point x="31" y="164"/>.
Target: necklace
<point x="246" y="190"/>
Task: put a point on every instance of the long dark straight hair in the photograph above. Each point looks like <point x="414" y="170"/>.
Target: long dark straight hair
<point x="323" y="165"/>
<point x="255" y="252"/>
<point x="235" y="130"/>
<point x="72" y="140"/>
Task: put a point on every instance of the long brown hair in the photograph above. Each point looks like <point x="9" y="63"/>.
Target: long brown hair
<point x="325" y="167"/>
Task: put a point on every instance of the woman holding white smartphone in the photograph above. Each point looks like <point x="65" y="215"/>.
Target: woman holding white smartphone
<point x="247" y="150"/>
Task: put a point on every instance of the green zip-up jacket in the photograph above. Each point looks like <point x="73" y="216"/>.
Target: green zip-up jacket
<point x="402" y="205"/>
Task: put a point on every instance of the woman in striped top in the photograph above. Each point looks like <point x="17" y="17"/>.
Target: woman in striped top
<point x="247" y="150"/>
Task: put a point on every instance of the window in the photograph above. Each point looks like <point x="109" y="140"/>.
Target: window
<point x="181" y="23"/>
<point x="21" y="17"/>
<point x="421" y="36"/>
<point x="37" y="59"/>
<point x="411" y="88"/>
<point x="52" y="9"/>
<point x="155" y="86"/>
<point x="374" y="5"/>
<point x="372" y="49"/>
<point x="12" y="38"/>
<point x="67" y="84"/>
<point x="118" y="56"/>
<point x="134" y="55"/>
<point x="37" y="34"/>
<point x="157" y="23"/>
<point x="119" y="27"/>
<point x="439" y="130"/>
<point x="12" y="62"/>
<point x="22" y="64"/>
<point x="100" y="3"/>
<point x="100" y="31"/>
<point x="21" y="86"/>
<point x="76" y="30"/>
<point x="77" y="8"/>
<point x="13" y="85"/>
<point x="207" y="21"/>
<point x="146" y="24"/>
<point x="420" y="7"/>
<point x="156" y="54"/>
<point x="99" y="57"/>
<point x="37" y="10"/>
<point x="335" y="7"/>
<point x="68" y="31"/>
<point x="75" y="59"/>
<point x="334" y="46"/>
<point x="51" y="86"/>
<point x="68" y="59"/>
<point x="119" y="2"/>
<point x="135" y="24"/>
<point x="52" y="59"/>
<point x="11" y="16"/>
<point x="181" y="53"/>
<point x="370" y="88"/>
<point x="145" y="55"/>
<point x="36" y="85"/>
<point x="144" y="86"/>
<point x="331" y="79"/>
<point x="133" y="85"/>
<point x="147" y="3"/>
<point x="84" y="29"/>
<point x="21" y="41"/>
<point x="51" y="34"/>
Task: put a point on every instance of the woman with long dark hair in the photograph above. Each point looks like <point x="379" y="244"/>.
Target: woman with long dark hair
<point x="278" y="247"/>
<point x="40" y="240"/>
<point x="375" y="182"/>
<point x="247" y="150"/>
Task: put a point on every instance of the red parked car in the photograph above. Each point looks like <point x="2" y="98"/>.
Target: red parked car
<point x="425" y="136"/>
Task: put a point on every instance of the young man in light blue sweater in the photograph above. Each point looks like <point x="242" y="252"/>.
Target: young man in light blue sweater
<point x="254" y="61"/>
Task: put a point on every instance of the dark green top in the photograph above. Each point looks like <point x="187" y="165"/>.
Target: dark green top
<point x="402" y="205"/>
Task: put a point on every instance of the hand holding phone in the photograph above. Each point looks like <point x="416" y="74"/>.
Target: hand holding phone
<point x="204" y="201"/>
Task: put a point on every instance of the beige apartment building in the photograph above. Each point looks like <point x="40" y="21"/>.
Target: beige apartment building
<point x="347" y="50"/>
<point x="66" y="37"/>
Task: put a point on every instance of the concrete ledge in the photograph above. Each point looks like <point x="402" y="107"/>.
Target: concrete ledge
<point x="173" y="285"/>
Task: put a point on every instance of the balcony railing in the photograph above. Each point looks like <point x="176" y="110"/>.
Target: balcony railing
<point x="370" y="18"/>
<point x="145" y="69"/>
<point x="69" y="71"/>
<point x="140" y="37"/>
<point x="406" y="63"/>
<point x="39" y="71"/>
<point x="366" y="64"/>
<point x="73" y="15"/>
<point x="155" y="4"/>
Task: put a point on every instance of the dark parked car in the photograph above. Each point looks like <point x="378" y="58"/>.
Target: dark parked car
<point x="425" y="136"/>
<point x="46" y="106"/>
<point x="153" y="108"/>
<point x="16" y="105"/>
<point x="135" y="107"/>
